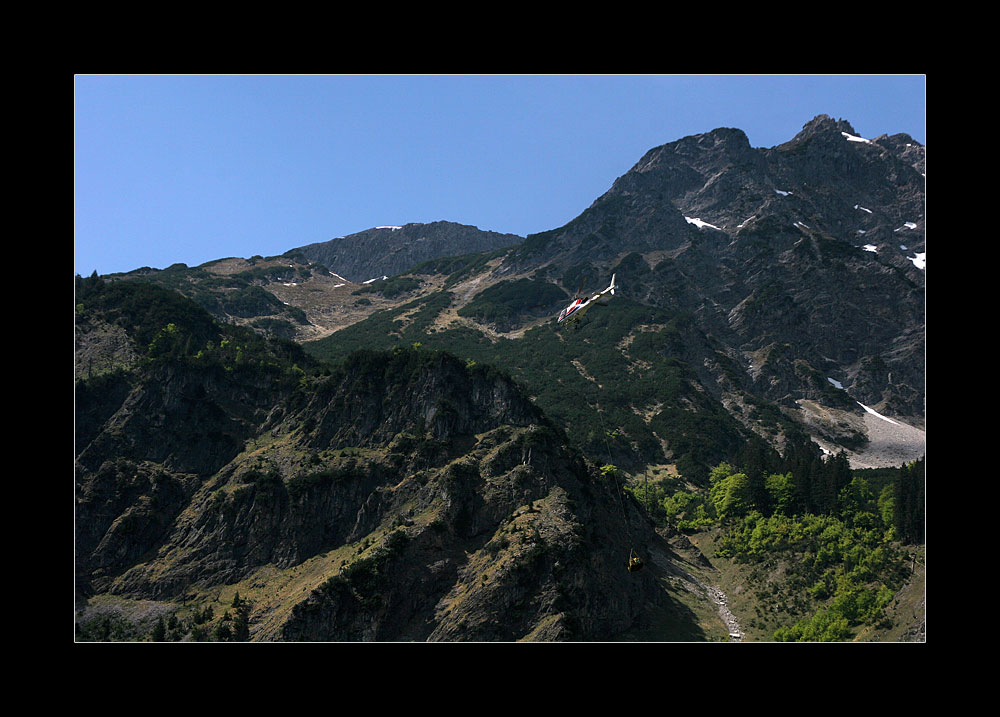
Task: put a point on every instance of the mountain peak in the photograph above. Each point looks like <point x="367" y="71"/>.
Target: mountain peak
<point x="823" y="124"/>
<point x="723" y="141"/>
<point x="390" y="250"/>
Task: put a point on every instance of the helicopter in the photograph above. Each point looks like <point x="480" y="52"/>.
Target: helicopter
<point x="579" y="307"/>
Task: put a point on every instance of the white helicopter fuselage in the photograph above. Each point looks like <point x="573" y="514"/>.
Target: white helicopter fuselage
<point x="579" y="306"/>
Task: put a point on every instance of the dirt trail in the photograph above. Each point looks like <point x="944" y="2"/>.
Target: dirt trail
<point x="719" y="598"/>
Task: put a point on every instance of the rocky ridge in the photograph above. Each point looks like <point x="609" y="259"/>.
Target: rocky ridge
<point x="404" y="496"/>
<point x="385" y="251"/>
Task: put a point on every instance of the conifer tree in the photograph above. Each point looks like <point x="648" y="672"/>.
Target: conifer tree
<point x="160" y="631"/>
<point x="908" y="507"/>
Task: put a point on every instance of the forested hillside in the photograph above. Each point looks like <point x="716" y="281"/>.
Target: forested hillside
<point x="823" y="551"/>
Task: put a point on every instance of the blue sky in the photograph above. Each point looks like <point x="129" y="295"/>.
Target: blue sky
<point x="190" y="168"/>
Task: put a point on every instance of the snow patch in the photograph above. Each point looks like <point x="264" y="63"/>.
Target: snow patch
<point x="870" y="247"/>
<point x="906" y="225"/>
<point x="839" y="385"/>
<point x="874" y="413"/>
<point x="854" y="138"/>
<point x="919" y="260"/>
<point x="858" y="206"/>
<point x="784" y="194"/>
<point x="377" y="278"/>
<point x="389" y="227"/>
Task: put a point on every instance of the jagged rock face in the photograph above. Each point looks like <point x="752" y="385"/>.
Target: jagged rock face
<point x="124" y="509"/>
<point x="146" y="443"/>
<point x="385" y="251"/>
<point x="520" y="553"/>
<point x="431" y="500"/>
<point x="814" y="244"/>
<point x="367" y="403"/>
<point x="187" y="419"/>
